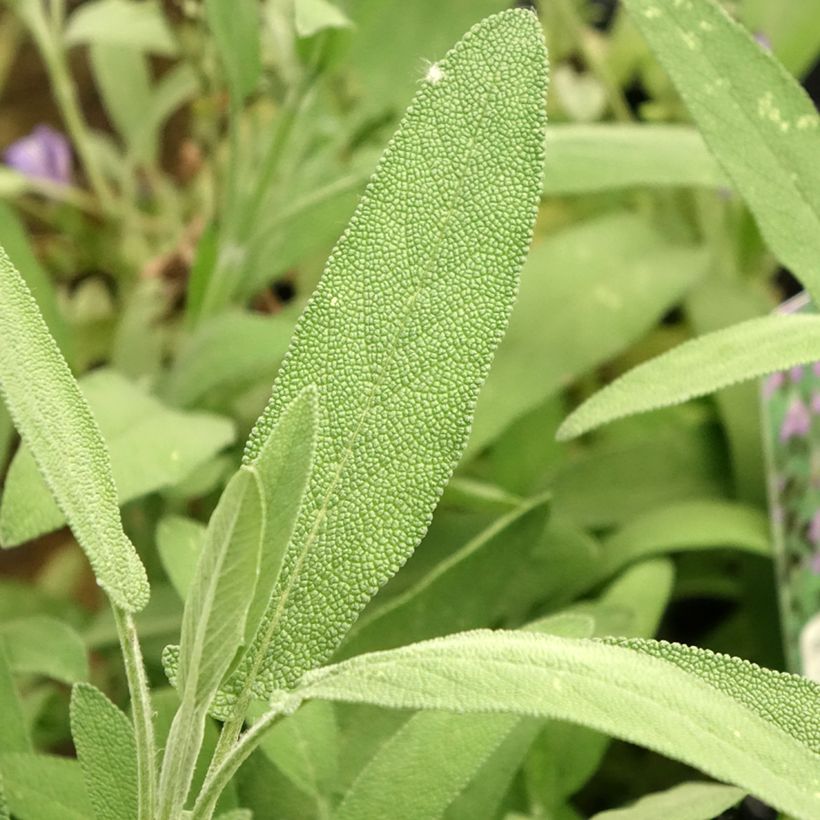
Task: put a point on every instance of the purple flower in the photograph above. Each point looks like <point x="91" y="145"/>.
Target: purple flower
<point x="814" y="563"/>
<point x="43" y="154"/>
<point x="773" y="384"/>
<point x="816" y="368"/>
<point x="796" y="373"/>
<point x="797" y="421"/>
<point x="814" y="528"/>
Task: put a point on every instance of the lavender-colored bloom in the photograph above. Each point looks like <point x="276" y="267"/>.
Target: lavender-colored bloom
<point x="814" y="563"/>
<point x="797" y="421"/>
<point x="763" y="40"/>
<point x="814" y="528"/>
<point x="43" y="154"/>
<point x="773" y="384"/>
<point x="796" y="373"/>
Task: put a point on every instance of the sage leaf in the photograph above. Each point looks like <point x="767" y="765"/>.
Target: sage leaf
<point x="57" y="425"/>
<point x="760" y="124"/>
<point x="14" y="736"/>
<point x="701" y="366"/>
<point x="687" y="801"/>
<point x="106" y="749"/>
<point x="430" y="263"/>
<point x="625" y="693"/>
<point x="42" y="645"/>
<point x="235" y="27"/>
<point x="179" y="544"/>
<point x="313" y="16"/>
<point x="43" y="787"/>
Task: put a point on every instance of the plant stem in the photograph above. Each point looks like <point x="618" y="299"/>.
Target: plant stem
<point x="142" y="711"/>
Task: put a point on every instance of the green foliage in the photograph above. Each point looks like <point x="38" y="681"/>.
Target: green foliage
<point x="41" y="645"/>
<point x="234" y="27"/>
<point x="689" y="801"/>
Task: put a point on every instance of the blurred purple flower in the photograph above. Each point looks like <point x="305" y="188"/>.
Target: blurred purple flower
<point x="43" y="154"/>
<point x="797" y="421"/>
<point x="763" y="40"/>
<point x="773" y="384"/>
<point x="796" y="373"/>
<point x="814" y="528"/>
<point x="814" y="563"/>
<point x="816" y="368"/>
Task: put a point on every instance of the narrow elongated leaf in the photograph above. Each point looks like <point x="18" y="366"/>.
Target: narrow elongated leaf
<point x="429" y="263"/>
<point x="235" y="27"/>
<point x="701" y="366"/>
<point x="41" y="645"/>
<point x="613" y="278"/>
<point x="688" y="801"/>
<point x="59" y="428"/>
<point x="587" y="158"/>
<point x="757" y="120"/>
<point x="641" y="699"/>
<point x="151" y="446"/>
<point x="41" y="787"/>
<point x="104" y="739"/>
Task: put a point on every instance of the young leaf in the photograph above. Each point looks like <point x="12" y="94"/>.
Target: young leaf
<point x="641" y="699"/>
<point x="152" y="447"/>
<point x="400" y="332"/>
<point x="757" y="120"/>
<point x="235" y="27"/>
<point x="587" y="158"/>
<point x="701" y="366"/>
<point x="688" y="801"/>
<point x="41" y="645"/>
<point x="42" y="787"/>
<point x="106" y="749"/>
<point x="59" y="428"/>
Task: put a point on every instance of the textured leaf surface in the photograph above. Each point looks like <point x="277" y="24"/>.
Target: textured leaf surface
<point x="104" y="739"/>
<point x="57" y="425"/>
<point x="701" y="366"/>
<point x="605" y="283"/>
<point x="40" y="787"/>
<point x="643" y="700"/>
<point x="688" y="801"/>
<point x="586" y="158"/>
<point x="41" y="645"/>
<point x="152" y="447"/>
<point x="401" y="330"/>
<point x="755" y="117"/>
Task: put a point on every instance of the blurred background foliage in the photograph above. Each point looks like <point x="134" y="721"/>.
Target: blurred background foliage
<point x="175" y="175"/>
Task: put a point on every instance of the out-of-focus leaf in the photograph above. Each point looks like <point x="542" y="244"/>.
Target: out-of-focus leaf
<point x="235" y="27"/>
<point x="14" y="735"/>
<point x="588" y="158"/>
<point x="126" y="23"/>
<point x="41" y="787"/>
<point x="586" y="294"/>
<point x="40" y="645"/>
<point x="688" y="801"/>
<point x="313" y="16"/>
<point x="757" y="120"/>
<point x="179" y="543"/>
<point x="152" y="447"/>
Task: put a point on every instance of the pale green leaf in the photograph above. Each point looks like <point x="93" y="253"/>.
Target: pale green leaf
<point x="14" y="736"/>
<point x="106" y="749"/>
<point x="701" y="366"/>
<point x="401" y="330"/>
<point x="791" y="26"/>
<point x="152" y="447"/>
<point x="589" y="158"/>
<point x="688" y="801"/>
<point x="65" y="442"/>
<point x="481" y="577"/>
<point x="40" y="787"/>
<point x="179" y="544"/>
<point x="687" y="525"/>
<point x="605" y="282"/>
<point x="754" y="116"/>
<point x="136" y="24"/>
<point x="313" y="16"/>
<point x="235" y="28"/>
<point x="641" y="699"/>
<point x="40" y="645"/>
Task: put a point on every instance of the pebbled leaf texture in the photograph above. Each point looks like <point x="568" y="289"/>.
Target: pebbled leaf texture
<point x="400" y="332"/>
<point x="56" y="423"/>
<point x="701" y="366"/>
<point x="106" y="749"/>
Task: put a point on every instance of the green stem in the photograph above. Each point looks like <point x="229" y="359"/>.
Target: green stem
<point x="142" y="711"/>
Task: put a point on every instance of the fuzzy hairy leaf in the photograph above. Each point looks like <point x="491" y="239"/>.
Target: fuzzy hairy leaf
<point x="628" y="694"/>
<point x="688" y="801"/>
<point x="587" y="158"/>
<point x="151" y="446"/>
<point x="106" y="749"/>
<point x="56" y="423"/>
<point x="400" y="332"/>
<point x="757" y="120"/>
<point x="701" y="366"/>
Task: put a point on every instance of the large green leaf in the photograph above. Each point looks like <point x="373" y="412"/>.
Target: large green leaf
<point x="603" y="284"/>
<point x="757" y="120"/>
<point x="758" y="743"/>
<point x="701" y="366"/>
<point x="588" y="158"/>
<point x="106" y="749"/>
<point x="40" y="787"/>
<point x="64" y="440"/>
<point x="41" y="645"/>
<point x="400" y="332"/>
<point x="688" y="801"/>
<point x="152" y="447"/>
